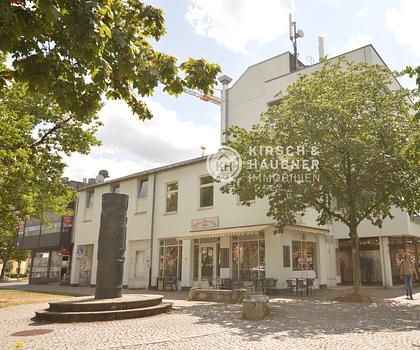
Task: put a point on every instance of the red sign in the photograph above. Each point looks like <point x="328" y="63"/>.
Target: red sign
<point x="21" y="227"/>
<point x="65" y="251"/>
<point x="68" y="220"/>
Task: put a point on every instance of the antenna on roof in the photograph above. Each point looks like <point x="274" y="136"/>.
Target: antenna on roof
<point x="293" y="34"/>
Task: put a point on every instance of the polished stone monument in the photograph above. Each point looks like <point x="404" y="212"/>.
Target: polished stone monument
<point x="108" y="303"/>
<point x="111" y="246"/>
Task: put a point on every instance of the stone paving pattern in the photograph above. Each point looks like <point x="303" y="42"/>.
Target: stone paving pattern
<point x="295" y="323"/>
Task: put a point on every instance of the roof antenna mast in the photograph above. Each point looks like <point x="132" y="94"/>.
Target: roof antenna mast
<point x="293" y="34"/>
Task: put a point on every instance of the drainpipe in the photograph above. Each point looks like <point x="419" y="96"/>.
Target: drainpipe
<point x="152" y="225"/>
<point x="224" y="80"/>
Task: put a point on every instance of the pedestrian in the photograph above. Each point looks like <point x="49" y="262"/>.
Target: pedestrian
<point x="408" y="271"/>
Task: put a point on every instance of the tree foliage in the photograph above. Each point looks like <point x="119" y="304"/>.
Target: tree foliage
<point x="34" y="135"/>
<point x="77" y="52"/>
<point x="357" y="126"/>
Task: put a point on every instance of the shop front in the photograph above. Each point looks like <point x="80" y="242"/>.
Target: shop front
<point x="237" y="254"/>
<point x="397" y="247"/>
<point x="46" y="266"/>
<point x="370" y="261"/>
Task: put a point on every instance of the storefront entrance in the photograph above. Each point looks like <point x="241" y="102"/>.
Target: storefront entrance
<point x="46" y="267"/>
<point x="206" y="261"/>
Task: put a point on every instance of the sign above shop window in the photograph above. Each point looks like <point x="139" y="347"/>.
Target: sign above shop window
<point x="204" y="223"/>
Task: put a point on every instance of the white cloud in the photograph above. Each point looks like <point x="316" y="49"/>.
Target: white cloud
<point x="355" y="41"/>
<point x="235" y="23"/>
<point x="363" y="11"/>
<point x="130" y="145"/>
<point x="405" y="25"/>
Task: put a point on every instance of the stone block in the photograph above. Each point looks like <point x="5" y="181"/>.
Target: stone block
<point x="255" y="307"/>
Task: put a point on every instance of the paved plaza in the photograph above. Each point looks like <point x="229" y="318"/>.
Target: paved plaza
<point x="317" y="322"/>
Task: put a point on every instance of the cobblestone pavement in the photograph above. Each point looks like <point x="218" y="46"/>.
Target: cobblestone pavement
<point x="295" y="323"/>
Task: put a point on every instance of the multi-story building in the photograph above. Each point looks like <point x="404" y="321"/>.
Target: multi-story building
<point x="50" y="245"/>
<point x="181" y="225"/>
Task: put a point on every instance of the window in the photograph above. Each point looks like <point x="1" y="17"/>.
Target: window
<point x="248" y="257"/>
<point x="89" y="199"/>
<point x="286" y="256"/>
<point x="32" y="227"/>
<point x="116" y="188"/>
<point x="53" y="225"/>
<point x="304" y="255"/>
<point x="170" y="262"/>
<point x="172" y="197"/>
<point x="206" y="191"/>
<point x="143" y="187"/>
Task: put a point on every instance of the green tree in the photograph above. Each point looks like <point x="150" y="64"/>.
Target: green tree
<point x="357" y="126"/>
<point x="19" y="256"/>
<point x="34" y="134"/>
<point x="66" y="57"/>
<point x="412" y="149"/>
<point x="7" y="247"/>
<point x="77" y="52"/>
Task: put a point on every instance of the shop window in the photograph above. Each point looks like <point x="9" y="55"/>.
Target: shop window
<point x="143" y="188"/>
<point x="304" y="256"/>
<point x="248" y="257"/>
<point x="40" y="265"/>
<point x="286" y="256"/>
<point x="206" y="191"/>
<point x="172" y="197"/>
<point x="370" y="261"/>
<point x="170" y="262"/>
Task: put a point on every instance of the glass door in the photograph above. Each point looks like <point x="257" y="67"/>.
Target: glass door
<point x="207" y="262"/>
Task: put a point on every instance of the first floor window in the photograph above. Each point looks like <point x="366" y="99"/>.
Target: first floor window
<point x="143" y="187"/>
<point x="170" y="262"/>
<point x="172" y="197"/>
<point x="89" y="199"/>
<point x="206" y="191"/>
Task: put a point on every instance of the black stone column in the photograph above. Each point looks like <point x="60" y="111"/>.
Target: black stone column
<point x="111" y="246"/>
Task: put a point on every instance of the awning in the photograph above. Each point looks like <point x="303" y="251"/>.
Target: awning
<point x="226" y="232"/>
<point x="306" y="229"/>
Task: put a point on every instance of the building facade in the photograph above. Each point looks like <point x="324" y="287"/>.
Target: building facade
<point x="180" y="225"/>
<point x="49" y="245"/>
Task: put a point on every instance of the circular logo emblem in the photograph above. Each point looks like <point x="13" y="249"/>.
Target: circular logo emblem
<point x="225" y="165"/>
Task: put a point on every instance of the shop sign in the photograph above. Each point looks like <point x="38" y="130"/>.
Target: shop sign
<point x="204" y="223"/>
<point x="65" y="251"/>
<point x="80" y="252"/>
<point x="21" y="227"/>
<point x="67" y="221"/>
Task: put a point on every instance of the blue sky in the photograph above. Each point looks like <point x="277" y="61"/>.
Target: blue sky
<point x="237" y="34"/>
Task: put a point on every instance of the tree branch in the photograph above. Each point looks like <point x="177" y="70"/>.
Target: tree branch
<point x="49" y="132"/>
<point x="332" y="213"/>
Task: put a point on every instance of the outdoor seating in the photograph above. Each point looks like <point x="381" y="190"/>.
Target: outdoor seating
<point x="269" y="283"/>
<point x="300" y="286"/>
<point x="291" y="285"/>
<point x="170" y="282"/>
<point x="310" y="285"/>
<point x="226" y="283"/>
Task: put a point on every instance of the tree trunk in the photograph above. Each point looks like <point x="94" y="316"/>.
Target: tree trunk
<point x="355" y="249"/>
<point x="18" y="269"/>
<point x="3" y="269"/>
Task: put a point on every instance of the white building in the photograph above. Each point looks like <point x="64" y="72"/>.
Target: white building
<point x="181" y="225"/>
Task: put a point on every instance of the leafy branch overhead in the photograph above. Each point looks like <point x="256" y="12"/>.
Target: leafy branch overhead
<point x="77" y="52"/>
